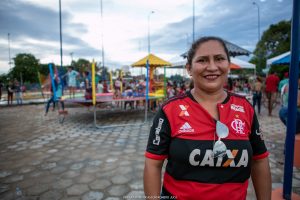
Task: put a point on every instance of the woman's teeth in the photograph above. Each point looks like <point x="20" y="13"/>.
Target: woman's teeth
<point x="211" y="76"/>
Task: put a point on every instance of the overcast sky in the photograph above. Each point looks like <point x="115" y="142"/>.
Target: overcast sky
<point x="33" y="26"/>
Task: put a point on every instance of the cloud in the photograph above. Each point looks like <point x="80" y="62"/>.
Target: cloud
<point x="227" y="20"/>
<point x="27" y="23"/>
<point x="34" y="26"/>
<point x="28" y="20"/>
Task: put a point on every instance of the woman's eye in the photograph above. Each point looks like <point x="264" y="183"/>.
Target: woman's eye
<point x="220" y="59"/>
<point x="201" y="61"/>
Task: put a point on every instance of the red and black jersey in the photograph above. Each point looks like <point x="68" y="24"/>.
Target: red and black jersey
<point x="184" y="133"/>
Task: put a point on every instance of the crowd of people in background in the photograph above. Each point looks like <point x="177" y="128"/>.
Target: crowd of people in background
<point x="273" y="89"/>
<point x="271" y="86"/>
<point x="13" y="88"/>
<point x="276" y="92"/>
<point x="175" y="88"/>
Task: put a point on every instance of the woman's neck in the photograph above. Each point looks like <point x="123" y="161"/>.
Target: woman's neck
<point x="209" y="97"/>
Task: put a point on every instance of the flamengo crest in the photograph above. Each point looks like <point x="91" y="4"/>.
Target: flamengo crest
<point x="238" y="125"/>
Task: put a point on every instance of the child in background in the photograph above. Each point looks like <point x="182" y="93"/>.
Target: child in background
<point x="128" y="94"/>
<point x="100" y="87"/>
<point x="58" y="94"/>
<point x="18" y="92"/>
<point x="10" y="92"/>
<point x="72" y="75"/>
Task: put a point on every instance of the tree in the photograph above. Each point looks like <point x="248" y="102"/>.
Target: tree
<point x="26" y="67"/>
<point x="81" y="65"/>
<point x="176" y="78"/>
<point x="274" y="41"/>
<point x="44" y="69"/>
<point x="4" y="78"/>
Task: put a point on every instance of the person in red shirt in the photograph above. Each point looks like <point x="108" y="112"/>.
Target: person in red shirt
<point x="271" y="89"/>
<point x="210" y="137"/>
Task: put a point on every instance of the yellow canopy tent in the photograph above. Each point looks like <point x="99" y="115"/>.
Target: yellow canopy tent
<point x="154" y="62"/>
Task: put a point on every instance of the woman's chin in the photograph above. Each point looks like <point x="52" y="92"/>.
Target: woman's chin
<point x="212" y="88"/>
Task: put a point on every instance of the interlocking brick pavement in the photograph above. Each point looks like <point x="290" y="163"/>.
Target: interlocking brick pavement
<point x="74" y="160"/>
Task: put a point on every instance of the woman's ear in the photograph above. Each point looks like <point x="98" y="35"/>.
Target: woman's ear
<point x="188" y="69"/>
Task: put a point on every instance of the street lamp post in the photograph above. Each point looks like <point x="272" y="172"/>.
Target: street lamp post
<point x="149" y="44"/>
<point x="9" y="59"/>
<point x="71" y="54"/>
<point x="258" y="32"/>
<point x="102" y="42"/>
<point x="147" y="68"/>
<point x="60" y="36"/>
<point x="258" y="19"/>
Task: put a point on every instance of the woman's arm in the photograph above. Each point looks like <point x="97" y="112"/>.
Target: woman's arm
<point x="152" y="178"/>
<point x="261" y="178"/>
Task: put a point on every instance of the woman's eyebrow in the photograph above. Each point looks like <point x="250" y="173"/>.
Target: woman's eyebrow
<point x="219" y="55"/>
<point x="203" y="56"/>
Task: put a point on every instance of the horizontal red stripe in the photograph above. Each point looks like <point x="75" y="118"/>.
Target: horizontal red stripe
<point x="261" y="156"/>
<point x="194" y="191"/>
<point x="155" y="156"/>
<point x="210" y="136"/>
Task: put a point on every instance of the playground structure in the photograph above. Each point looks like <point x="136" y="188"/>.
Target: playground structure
<point x="97" y="98"/>
<point x="156" y="88"/>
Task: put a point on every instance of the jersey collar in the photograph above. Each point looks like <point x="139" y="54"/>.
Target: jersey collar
<point x="189" y="94"/>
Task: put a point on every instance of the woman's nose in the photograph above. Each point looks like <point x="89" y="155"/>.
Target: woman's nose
<point x="212" y="65"/>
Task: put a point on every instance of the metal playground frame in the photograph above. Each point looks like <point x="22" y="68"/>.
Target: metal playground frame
<point x="94" y="101"/>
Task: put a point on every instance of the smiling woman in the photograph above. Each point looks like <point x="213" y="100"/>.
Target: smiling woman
<point x="210" y="137"/>
<point x="208" y="66"/>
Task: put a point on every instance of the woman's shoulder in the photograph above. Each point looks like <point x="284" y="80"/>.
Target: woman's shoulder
<point x="235" y="95"/>
<point x="175" y="98"/>
<point x="240" y="100"/>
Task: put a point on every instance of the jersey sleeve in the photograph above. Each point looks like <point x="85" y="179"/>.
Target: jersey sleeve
<point x="159" y="137"/>
<point x="257" y="140"/>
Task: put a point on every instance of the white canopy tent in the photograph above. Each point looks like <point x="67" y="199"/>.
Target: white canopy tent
<point x="243" y="64"/>
<point x="178" y="66"/>
<point x="178" y="62"/>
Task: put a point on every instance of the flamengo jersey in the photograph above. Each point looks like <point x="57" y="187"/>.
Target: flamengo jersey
<point x="184" y="133"/>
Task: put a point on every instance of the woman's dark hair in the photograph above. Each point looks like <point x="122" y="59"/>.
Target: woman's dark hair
<point x="197" y="43"/>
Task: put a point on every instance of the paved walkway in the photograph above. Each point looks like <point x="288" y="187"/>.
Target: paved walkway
<point x="49" y="160"/>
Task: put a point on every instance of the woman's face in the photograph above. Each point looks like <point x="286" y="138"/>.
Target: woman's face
<point x="210" y="67"/>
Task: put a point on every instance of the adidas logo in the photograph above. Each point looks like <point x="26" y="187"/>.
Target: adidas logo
<point x="186" y="128"/>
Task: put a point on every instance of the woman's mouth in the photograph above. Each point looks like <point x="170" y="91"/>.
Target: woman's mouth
<point x="211" y="77"/>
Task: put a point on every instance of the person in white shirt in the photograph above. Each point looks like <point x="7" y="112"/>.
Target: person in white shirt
<point x="72" y="75"/>
<point x="100" y="87"/>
